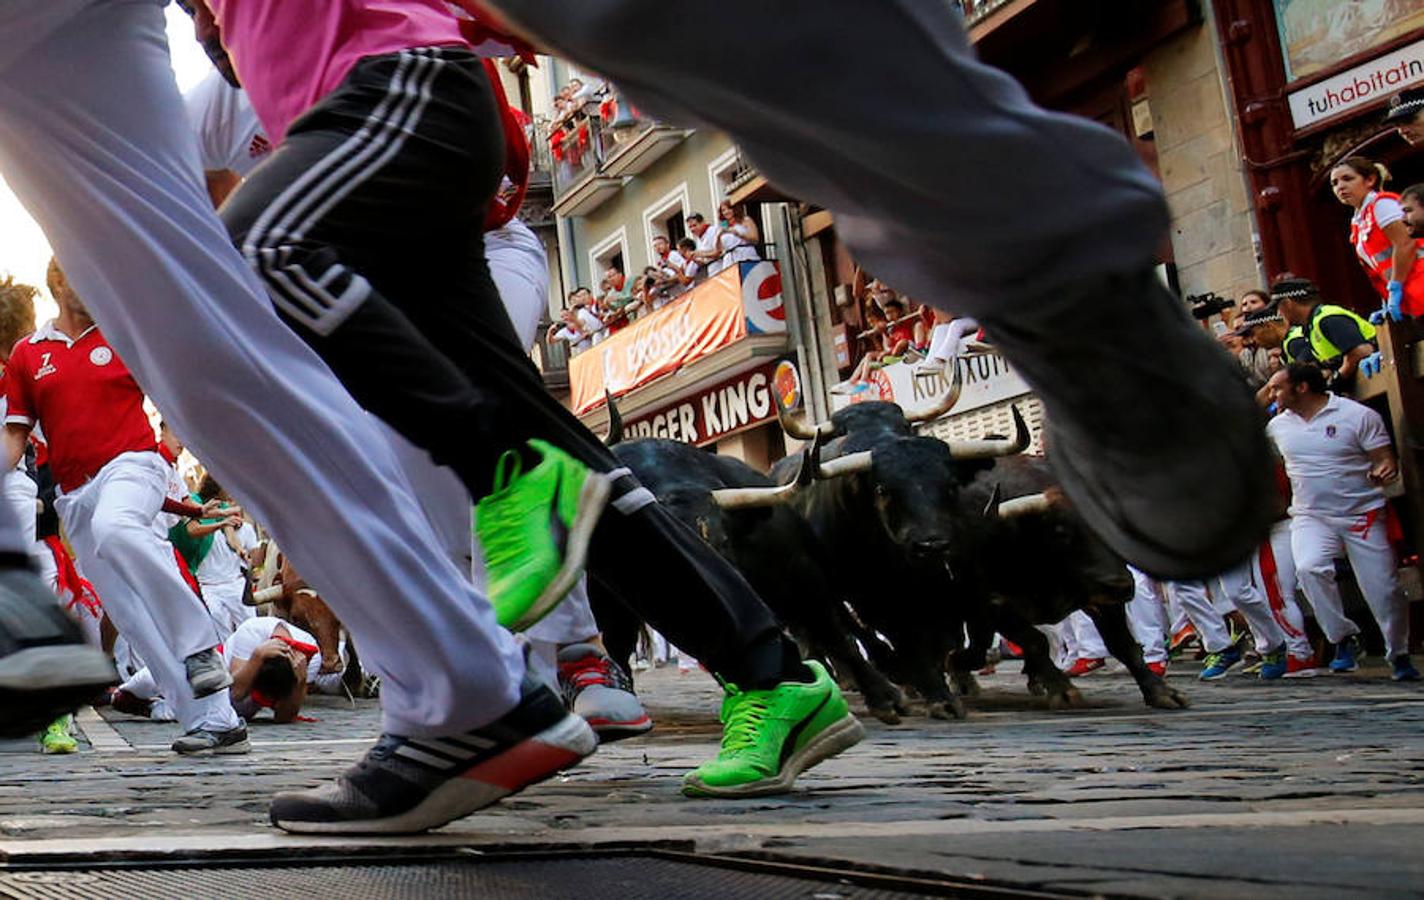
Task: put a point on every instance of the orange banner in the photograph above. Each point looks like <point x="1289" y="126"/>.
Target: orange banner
<point x="700" y="322"/>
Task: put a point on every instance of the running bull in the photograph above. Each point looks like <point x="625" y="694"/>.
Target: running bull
<point x="893" y="523"/>
<point x="720" y="498"/>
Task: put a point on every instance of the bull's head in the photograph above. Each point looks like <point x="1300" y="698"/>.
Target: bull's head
<point x="796" y="426"/>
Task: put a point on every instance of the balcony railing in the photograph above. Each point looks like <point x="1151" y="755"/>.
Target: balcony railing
<point x="605" y="141"/>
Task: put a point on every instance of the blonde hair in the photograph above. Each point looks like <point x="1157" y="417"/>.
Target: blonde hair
<point x="17" y="312"/>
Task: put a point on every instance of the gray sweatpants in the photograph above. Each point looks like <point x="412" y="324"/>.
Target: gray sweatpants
<point x="945" y="180"/>
<point x="95" y="143"/>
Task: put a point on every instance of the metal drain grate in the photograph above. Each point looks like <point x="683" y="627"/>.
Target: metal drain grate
<point x="620" y="877"/>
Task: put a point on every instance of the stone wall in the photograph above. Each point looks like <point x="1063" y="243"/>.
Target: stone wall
<point x="1200" y="163"/>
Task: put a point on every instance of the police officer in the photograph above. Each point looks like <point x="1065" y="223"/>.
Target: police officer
<point x="1406" y="114"/>
<point x="1332" y="336"/>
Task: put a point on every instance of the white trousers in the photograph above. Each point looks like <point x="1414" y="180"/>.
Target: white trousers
<point x="1147" y="617"/>
<point x="95" y="143"/>
<point x="946" y="338"/>
<point x="108" y="520"/>
<point x="1317" y="540"/>
<point x="1087" y="643"/>
<point x="1238" y="587"/>
<point x="1191" y="596"/>
<point x="1275" y="573"/>
<point x="225" y="606"/>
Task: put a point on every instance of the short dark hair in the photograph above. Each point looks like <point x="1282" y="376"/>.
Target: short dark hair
<point x="895" y="301"/>
<point x="208" y="488"/>
<point x="696" y="217"/>
<point x="1308" y="374"/>
<point x="687" y="242"/>
<point x="1414" y="190"/>
<point x="275" y="678"/>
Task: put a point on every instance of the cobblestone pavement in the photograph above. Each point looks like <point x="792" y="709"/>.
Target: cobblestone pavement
<point x="1299" y="788"/>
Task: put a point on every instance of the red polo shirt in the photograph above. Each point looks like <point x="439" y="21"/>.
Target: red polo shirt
<point x="83" y="396"/>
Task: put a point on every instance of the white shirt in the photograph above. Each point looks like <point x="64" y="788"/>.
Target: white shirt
<point x="254" y="632"/>
<point x="229" y="135"/>
<point x="1327" y="458"/>
<point x="221" y="565"/>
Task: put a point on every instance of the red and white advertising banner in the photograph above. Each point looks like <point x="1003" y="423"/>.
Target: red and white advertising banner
<point x="725" y="408"/>
<point x="711" y="316"/>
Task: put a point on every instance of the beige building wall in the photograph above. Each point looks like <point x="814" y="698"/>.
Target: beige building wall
<point x="685" y="165"/>
<point x="1200" y="162"/>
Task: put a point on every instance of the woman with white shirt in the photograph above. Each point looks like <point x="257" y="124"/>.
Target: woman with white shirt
<point x="737" y="237"/>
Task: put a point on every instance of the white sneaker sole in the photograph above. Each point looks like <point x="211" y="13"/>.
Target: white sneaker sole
<point x="833" y="740"/>
<point x="529" y="762"/>
<point x="593" y="497"/>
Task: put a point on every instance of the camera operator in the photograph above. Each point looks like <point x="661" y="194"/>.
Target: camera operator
<point x="1339" y="341"/>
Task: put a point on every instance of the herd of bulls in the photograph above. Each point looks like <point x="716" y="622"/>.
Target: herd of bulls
<point x="895" y="557"/>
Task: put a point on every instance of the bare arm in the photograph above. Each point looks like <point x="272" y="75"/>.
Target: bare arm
<point x="221" y="182"/>
<point x="1383" y="466"/>
<point x="1351" y="362"/>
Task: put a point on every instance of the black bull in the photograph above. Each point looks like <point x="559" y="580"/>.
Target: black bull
<point x="771" y="546"/>
<point x="919" y="541"/>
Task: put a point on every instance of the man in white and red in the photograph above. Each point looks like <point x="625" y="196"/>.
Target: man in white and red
<point x="1338" y="456"/>
<point x="112" y="484"/>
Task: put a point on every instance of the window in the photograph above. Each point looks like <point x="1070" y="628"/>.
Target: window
<point x="720" y="174"/>
<point x="665" y="217"/>
<point x="612" y="250"/>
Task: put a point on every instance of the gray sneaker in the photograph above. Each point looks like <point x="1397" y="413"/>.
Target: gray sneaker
<point x="232" y="742"/>
<point x="207" y="672"/>
<point x="597" y="690"/>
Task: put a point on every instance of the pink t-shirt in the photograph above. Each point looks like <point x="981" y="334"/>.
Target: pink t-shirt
<point x="291" y="53"/>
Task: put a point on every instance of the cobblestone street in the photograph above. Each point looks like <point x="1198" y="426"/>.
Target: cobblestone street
<point x="1299" y="788"/>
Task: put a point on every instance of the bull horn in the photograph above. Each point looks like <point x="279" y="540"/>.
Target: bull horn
<point x="1030" y="505"/>
<point x="945" y="403"/>
<point x="762" y="497"/>
<point x="615" y="421"/>
<point x="266" y="595"/>
<point x="849" y="464"/>
<point x="991" y="448"/>
<point x="795" y="424"/>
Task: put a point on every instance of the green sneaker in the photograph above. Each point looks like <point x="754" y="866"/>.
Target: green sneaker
<point x="57" y="739"/>
<point x="770" y="737"/>
<point x="535" y="528"/>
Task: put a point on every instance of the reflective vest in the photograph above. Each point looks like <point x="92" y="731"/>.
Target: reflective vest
<point x="1296" y="346"/>
<point x="1325" y="352"/>
<point x="1376" y="253"/>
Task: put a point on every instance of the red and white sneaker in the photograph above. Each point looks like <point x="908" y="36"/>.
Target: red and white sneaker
<point x="1302" y="666"/>
<point x="406" y="785"/>
<point x="597" y="689"/>
<point x="1083" y="665"/>
<point x="1158" y="668"/>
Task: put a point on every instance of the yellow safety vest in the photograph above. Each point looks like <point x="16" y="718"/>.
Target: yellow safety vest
<point x="1326" y="352"/>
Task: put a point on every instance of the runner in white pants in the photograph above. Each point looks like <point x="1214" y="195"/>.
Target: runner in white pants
<point x="1275" y="572"/>
<point x="1085" y="648"/>
<point x="1147" y="616"/>
<point x="1338" y="454"/>
<point x="94" y="142"/>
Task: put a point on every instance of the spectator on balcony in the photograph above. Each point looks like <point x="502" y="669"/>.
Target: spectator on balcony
<point x="667" y="265"/>
<point x="877" y="339"/>
<point x="742" y="231"/>
<point x="578" y="325"/>
<point x="905" y="330"/>
<point x="713" y="244"/>
<point x="693" y="272"/>
<point x="615" y="298"/>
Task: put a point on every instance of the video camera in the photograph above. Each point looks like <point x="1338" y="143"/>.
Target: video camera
<point x="1204" y="306"/>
